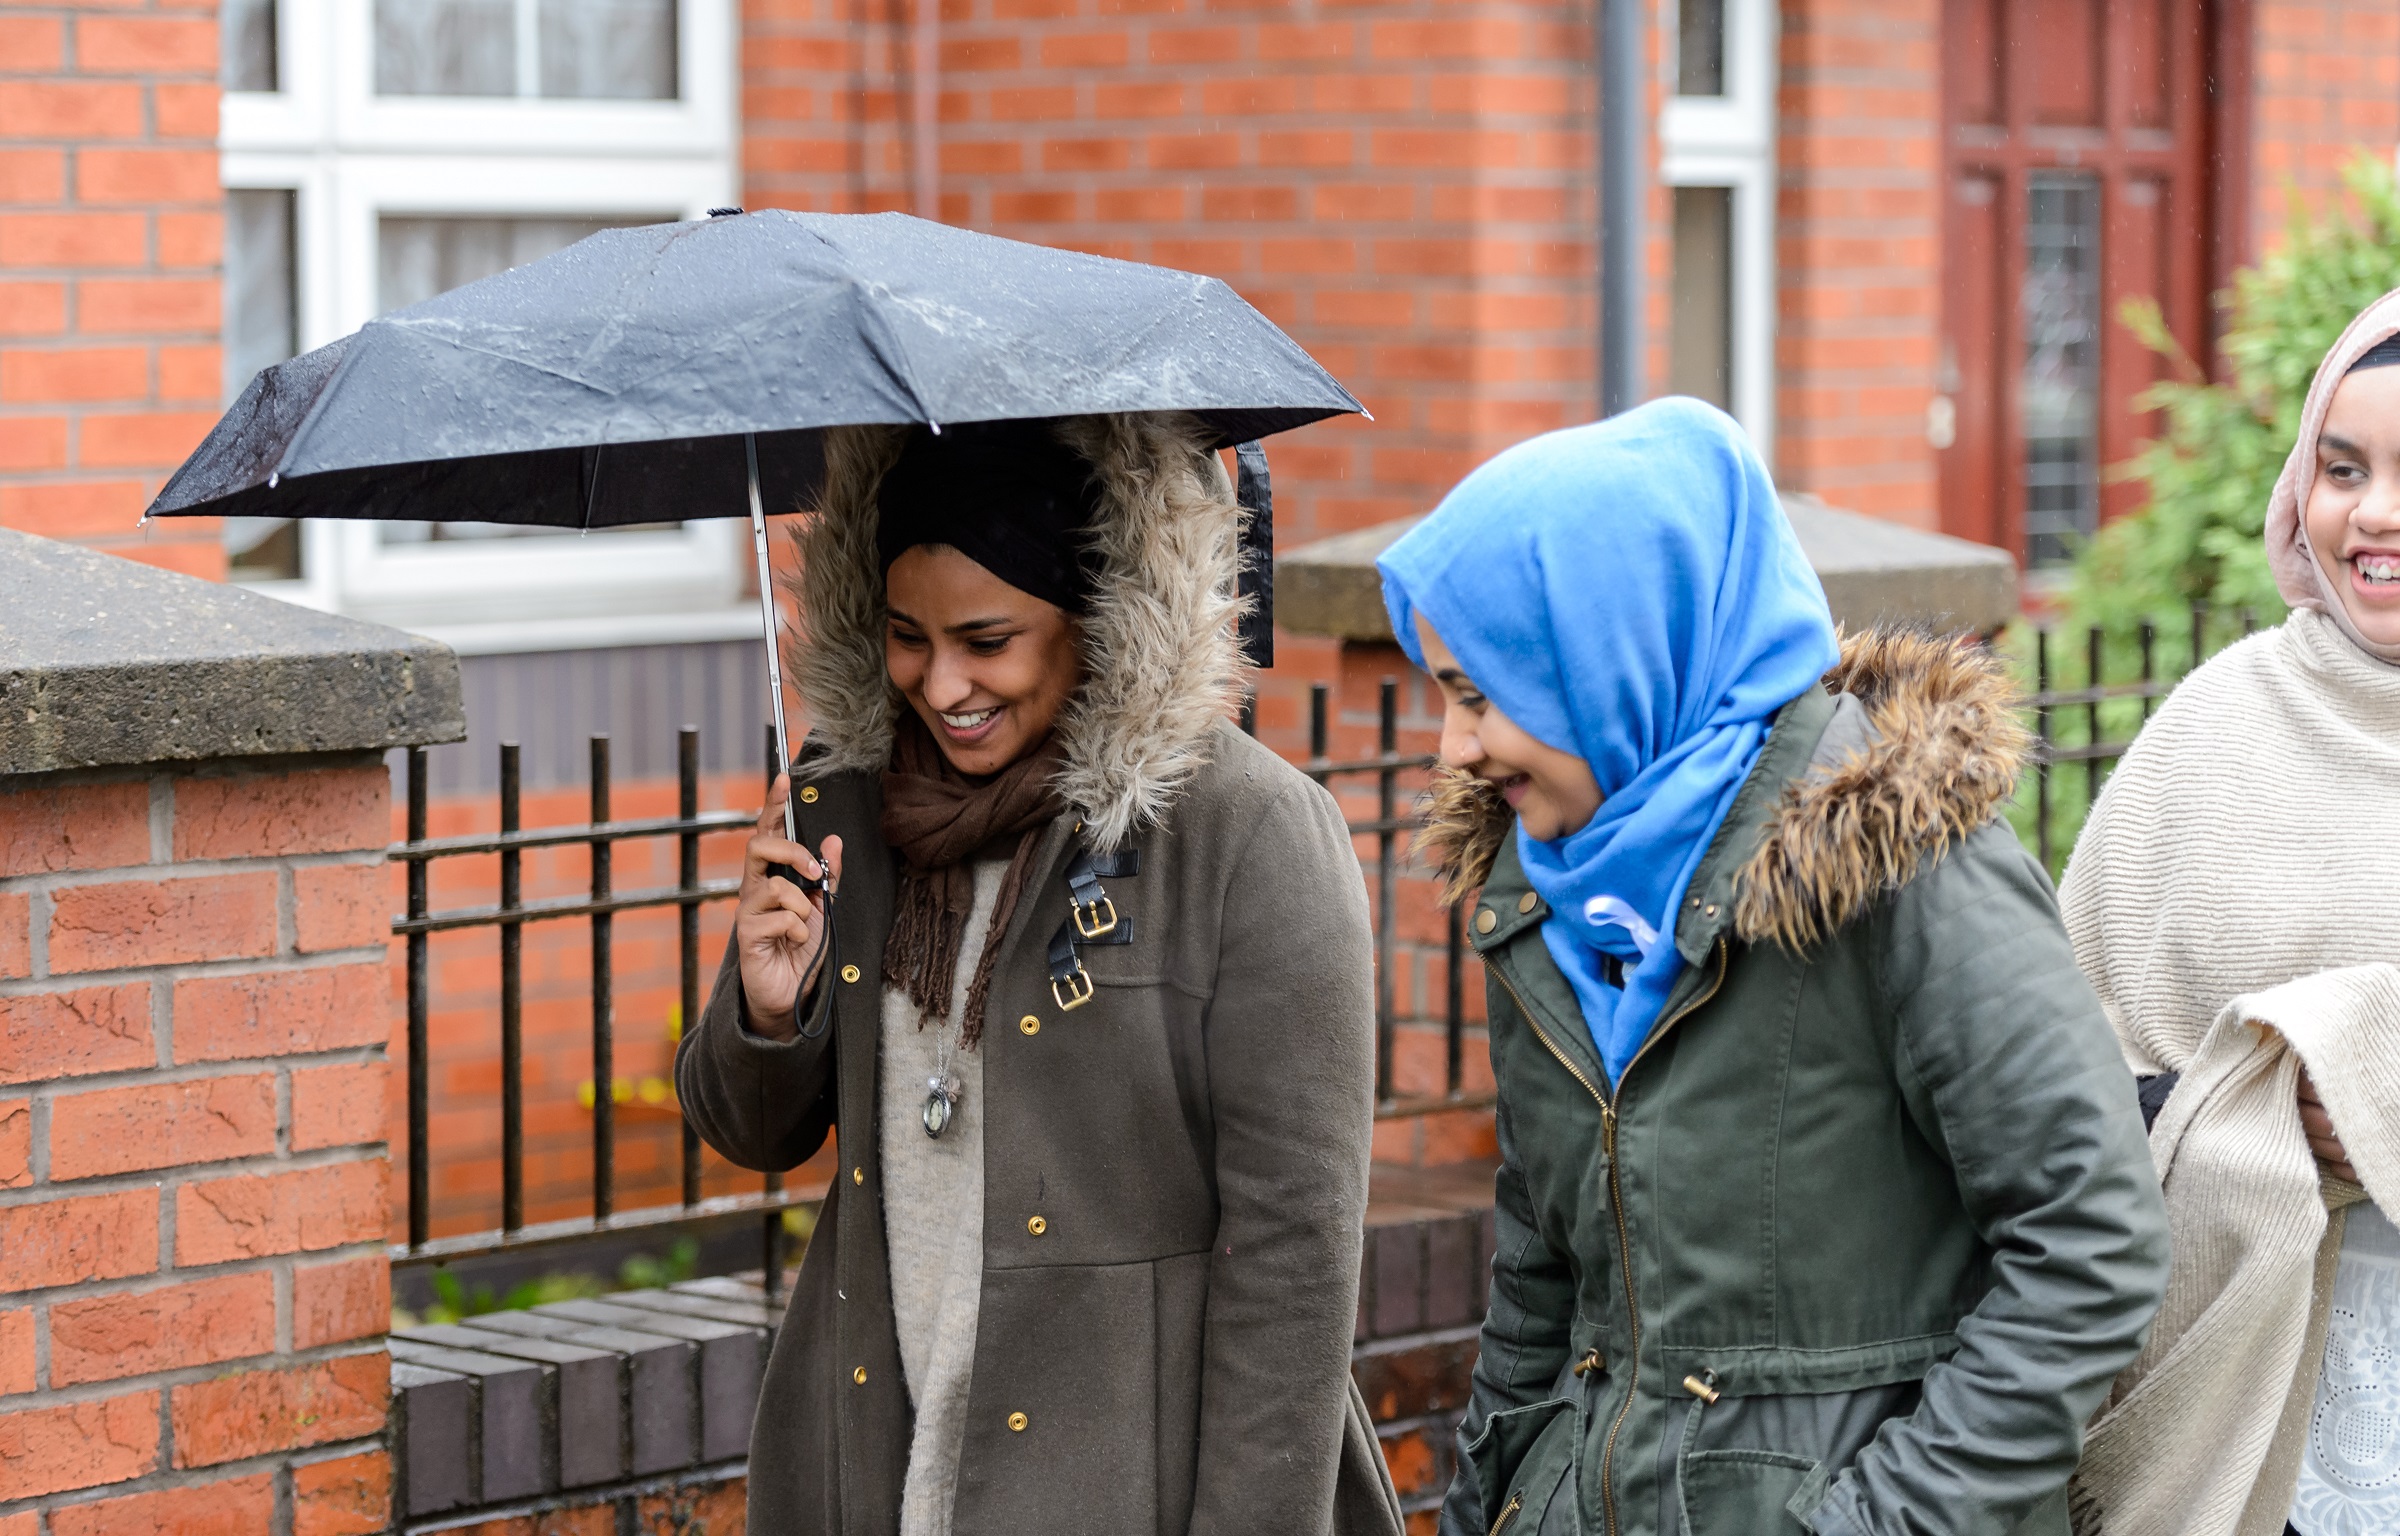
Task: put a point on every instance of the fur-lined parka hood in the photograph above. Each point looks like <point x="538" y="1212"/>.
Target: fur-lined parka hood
<point x="1930" y="752"/>
<point x="1158" y="634"/>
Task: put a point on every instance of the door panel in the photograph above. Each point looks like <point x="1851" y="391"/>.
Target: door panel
<point x="2076" y="145"/>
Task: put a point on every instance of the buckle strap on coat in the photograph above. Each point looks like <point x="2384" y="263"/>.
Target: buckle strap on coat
<point x="1091" y="919"/>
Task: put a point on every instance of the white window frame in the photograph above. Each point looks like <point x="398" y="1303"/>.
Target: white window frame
<point x="1729" y="141"/>
<point x="351" y="159"/>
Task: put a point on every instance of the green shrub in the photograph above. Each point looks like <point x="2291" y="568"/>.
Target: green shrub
<point x="2196" y="538"/>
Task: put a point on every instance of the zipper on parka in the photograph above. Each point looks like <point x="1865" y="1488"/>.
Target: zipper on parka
<point x="1616" y="1201"/>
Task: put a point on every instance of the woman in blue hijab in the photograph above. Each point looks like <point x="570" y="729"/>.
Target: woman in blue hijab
<point x="1823" y="1203"/>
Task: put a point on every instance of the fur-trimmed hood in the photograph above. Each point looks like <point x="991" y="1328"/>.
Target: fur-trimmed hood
<point x="1158" y="636"/>
<point x="1936" y="755"/>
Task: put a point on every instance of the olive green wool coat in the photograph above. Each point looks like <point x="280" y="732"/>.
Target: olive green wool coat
<point x="1866" y="1228"/>
<point x="1174" y="1172"/>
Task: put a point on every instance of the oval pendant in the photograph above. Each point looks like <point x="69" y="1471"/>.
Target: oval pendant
<point x="937" y="1113"/>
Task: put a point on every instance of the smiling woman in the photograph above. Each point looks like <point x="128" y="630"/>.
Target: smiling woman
<point x="2353" y="514"/>
<point x="1019" y="665"/>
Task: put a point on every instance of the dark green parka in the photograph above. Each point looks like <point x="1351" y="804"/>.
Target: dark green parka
<point x="1868" y="1224"/>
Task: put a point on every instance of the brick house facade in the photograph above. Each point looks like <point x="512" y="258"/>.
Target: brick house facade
<point x="1408" y="187"/>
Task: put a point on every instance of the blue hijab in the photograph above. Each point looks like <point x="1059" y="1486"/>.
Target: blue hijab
<point x="1629" y="592"/>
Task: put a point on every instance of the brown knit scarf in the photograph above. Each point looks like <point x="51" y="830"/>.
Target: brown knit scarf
<point x="937" y="820"/>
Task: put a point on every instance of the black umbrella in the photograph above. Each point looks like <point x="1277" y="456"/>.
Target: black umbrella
<point x="683" y="370"/>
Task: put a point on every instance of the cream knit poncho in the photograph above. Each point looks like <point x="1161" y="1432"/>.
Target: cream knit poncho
<point x="2235" y="900"/>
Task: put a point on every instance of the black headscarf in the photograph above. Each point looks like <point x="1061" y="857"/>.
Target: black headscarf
<point x="1008" y="495"/>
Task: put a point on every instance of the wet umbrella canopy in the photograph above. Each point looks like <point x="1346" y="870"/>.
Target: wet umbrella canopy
<point x="681" y="371"/>
<point x="615" y="381"/>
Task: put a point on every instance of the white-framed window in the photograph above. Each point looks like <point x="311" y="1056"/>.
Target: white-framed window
<point x="1717" y="154"/>
<point x="376" y="152"/>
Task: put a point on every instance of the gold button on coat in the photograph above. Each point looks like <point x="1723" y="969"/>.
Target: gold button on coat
<point x="1030" y="1024"/>
<point x="1528" y="902"/>
<point x="1486" y="920"/>
<point x="858" y="1175"/>
<point x="1037" y="1226"/>
<point x="849" y="973"/>
<point x="808" y="794"/>
<point x="1017" y="1422"/>
<point x="859" y="1375"/>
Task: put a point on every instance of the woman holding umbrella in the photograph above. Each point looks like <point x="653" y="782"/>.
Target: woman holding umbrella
<point x="1095" y="1026"/>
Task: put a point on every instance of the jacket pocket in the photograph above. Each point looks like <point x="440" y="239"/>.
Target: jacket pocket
<point x="1747" y="1493"/>
<point x="1524" y="1463"/>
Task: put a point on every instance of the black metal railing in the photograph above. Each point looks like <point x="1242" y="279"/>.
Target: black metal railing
<point x="2077" y="726"/>
<point x="1387" y="766"/>
<point x="599" y="908"/>
<point x="599" y="905"/>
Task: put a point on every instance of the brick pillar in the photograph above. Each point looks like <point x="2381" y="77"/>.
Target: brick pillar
<point x="193" y="1014"/>
<point x="1858" y="236"/>
<point x="110" y="225"/>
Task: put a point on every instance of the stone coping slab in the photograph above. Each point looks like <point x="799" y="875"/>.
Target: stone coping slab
<point x="1875" y="572"/>
<point x="105" y="662"/>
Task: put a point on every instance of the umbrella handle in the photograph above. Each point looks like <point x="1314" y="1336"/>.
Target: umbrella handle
<point x="821" y="1015"/>
<point x="770" y="623"/>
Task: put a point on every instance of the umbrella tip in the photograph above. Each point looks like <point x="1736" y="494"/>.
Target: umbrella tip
<point x="724" y="213"/>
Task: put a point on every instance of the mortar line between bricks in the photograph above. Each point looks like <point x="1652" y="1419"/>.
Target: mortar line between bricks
<point x="191" y="1071"/>
<point x="190" y="1274"/>
<point x="38" y="915"/>
<point x="174" y="1177"/>
<point x="191" y="869"/>
<point x="287" y="914"/>
<point x="193" y="970"/>
<point x="175" y="1478"/>
<point x="165" y="1382"/>
<point x="162" y="819"/>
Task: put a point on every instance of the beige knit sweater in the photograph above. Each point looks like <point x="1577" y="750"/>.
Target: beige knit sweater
<point x="2234" y="902"/>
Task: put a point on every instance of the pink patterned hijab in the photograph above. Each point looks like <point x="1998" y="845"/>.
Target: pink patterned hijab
<point x="2298" y="575"/>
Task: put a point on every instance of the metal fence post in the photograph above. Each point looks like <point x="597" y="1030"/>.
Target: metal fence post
<point x="604" y="1046"/>
<point x="420" y="1166"/>
<point x="687" y="928"/>
<point x="512" y="998"/>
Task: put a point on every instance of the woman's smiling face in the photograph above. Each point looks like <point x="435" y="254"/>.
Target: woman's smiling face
<point x="2353" y="512"/>
<point x="985" y="666"/>
<point x="1552" y="792"/>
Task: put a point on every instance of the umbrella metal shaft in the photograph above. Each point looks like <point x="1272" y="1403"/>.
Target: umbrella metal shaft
<point x="768" y="618"/>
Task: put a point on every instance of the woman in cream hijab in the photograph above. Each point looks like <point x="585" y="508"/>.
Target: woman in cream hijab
<point x="2232" y="899"/>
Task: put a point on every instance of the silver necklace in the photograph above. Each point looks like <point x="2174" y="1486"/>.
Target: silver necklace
<point x="942" y="1090"/>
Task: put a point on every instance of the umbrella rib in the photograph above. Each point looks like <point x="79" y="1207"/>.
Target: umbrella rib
<point x="316" y="411"/>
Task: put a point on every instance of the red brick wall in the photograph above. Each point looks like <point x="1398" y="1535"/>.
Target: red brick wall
<point x="192" y="1177"/>
<point x="1858" y="253"/>
<point x="1404" y="185"/>
<point x="2324" y="83"/>
<point x="110" y="223"/>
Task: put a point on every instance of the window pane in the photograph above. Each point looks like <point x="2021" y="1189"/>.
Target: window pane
<point x="1700" y="324"/>
<point x="421" y="257"/>
<point x="621" y="50"/>
<point x="445" y="47"/>
<point x="246" y="44"/>
<point x="1700" y="48"/>
<point x="261" y="330"/>
<point x="2060" y="309"/>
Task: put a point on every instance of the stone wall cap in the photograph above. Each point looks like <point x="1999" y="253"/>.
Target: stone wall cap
<point x="104" y="661"/>
<point x="1874" y="571"/>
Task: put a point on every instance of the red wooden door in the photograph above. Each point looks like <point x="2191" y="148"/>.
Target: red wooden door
<point x="2075" y="155"/>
